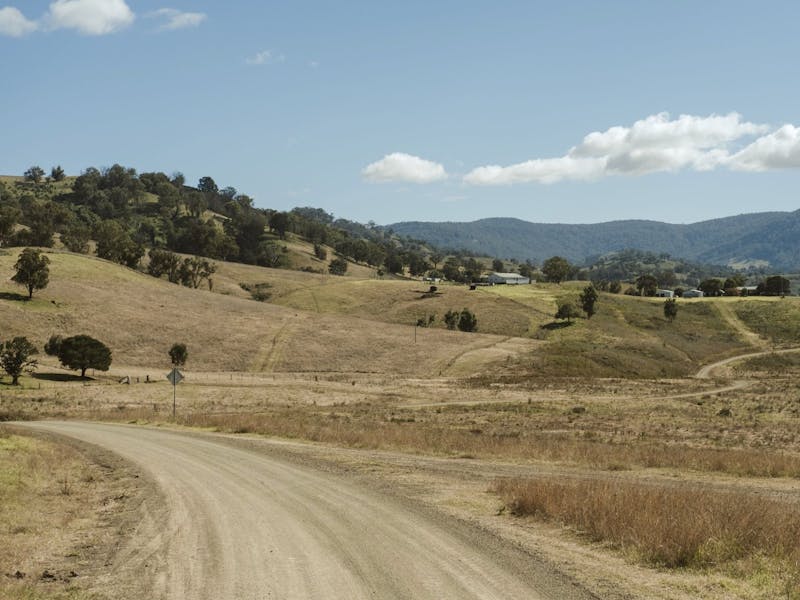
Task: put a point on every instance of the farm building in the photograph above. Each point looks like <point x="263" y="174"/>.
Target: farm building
<point x="508" y="278"/>
<point x="665" y="293"/>
<point x="693" y="294"/>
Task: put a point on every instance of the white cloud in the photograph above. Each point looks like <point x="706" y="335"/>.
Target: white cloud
<point x="404" y="167"/>
<point x="90" y="17"/>
<point x="654" y="144"/>
<point x="176" y="19"/>
<point x="265" y="57"/>
<point x="777" y="150"/>
<point x="14" y="23"/>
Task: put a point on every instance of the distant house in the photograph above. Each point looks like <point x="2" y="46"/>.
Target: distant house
<point x="665" y="293"/>
<point x="507" y="278"/>
<point x="693" y="294"/>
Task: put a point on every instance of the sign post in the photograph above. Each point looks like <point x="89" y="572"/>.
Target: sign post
<point x="174" y="377"/>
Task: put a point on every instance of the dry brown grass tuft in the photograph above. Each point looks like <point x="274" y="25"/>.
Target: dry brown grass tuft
<point x="663" y="525"/>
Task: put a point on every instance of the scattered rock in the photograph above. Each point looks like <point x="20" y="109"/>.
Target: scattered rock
<point x="578" y="410"/>
<point x="725" y="412"/>
<point x="19" y="575"/>
<point x="47" y="575"/>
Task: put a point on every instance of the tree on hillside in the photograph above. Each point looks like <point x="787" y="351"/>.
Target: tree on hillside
<point x="81" y="352"/>
<point x="178" y="355"/>
<point x="15" y="358"/>
<point x="776" y="285"/>
<point x="670" y="309"/>
<point x="34" y="174"/>
<point x="711" y="287"/>
<point x="57" y="173"/>
<point x="646" y="285"/>
<point x="194" y="270"/>
<point x="32" y="270"/>
<point x="10" y="214"/>
<point x="498" y="266"/>
<point x="279" y="223"/>
<point x="451" y="318"/>
<point x="467" y="321"/>
<point x="556" y="269"/>
<point x="338" y="266"/>
<point x="568" y="311"/>
<point x="114" y="243"/>
<point x="76" y="238"/>
<point x="588" y="298"/>
<point x="207" y="185"/>
<point x="164" y="262"/>
<point x="53" y="346"/>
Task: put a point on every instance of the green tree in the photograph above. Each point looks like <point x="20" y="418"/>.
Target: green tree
<point x="81" y="352"/>
<point x="711" y="287"/>
<point x="467" y="321"/>
<point x="53" y="346"/>
<point x="777" y="285"/>
<point x="338" y="266"/>
<point x="32" y="270"/>
<point x="76" y="238"/>
<point x="279" y="223"/>
<point x="194" y="270"/>
<point x="34" y="174"/>
<point x="10" y="214"/>
<point x="498" y="266"/>
<point x="568" y="311"/>
<point x="15" y="358"/>
<point x="451" y="318"/>
<point x="57" y="173"/>
<point x="588" y="299"/>
<point x="670" y="309"/>
<point x="178" y="355"/>
<point x="646" y="285"/>
<point x="556" y="269"/>
<point x="164" y="262"/>
<point x="114" y="243"/>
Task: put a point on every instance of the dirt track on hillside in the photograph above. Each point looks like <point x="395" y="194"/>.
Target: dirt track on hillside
<point x="242" y="524"/>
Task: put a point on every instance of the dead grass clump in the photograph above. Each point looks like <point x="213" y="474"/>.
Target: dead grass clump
<point x="662" y="525"/>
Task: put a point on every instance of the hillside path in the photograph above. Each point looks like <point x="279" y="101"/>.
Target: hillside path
<point x="706" y="371"/>
<point x="240" y="523"/>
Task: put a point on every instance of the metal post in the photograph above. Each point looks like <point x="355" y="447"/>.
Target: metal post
<point x="174" y="385"/>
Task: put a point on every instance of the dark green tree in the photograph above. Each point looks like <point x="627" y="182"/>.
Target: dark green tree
<point x="646" y="285"/>
<point x="451" y="318"/>
<point x="53" y="346"/>
<point x="178" y="355"/>
<point x="556" y="269"/>
<point x="15" y="358"/>
<point x="568" y="311"/>
<point x="81" y="352"/>
<point x="467" y="321"/>
<point x="338" y="266"/>
<point x="279" y="223"/>
<point x="34" y="174"/>
<point x="670" y="309"/>
<point x="76" y="238"/>
<point x="777" y="285"/>
<point x="32" y="270"/>
<point x="10" y="214"/>
<point x="164" y="262"/>
<point x="588" y="299"/>
<point x="711" y="287"/>
<point x="115" y="243"/>
<point x="194" y="270"/>
<point x="57" y="173"/>
<point x="498" y="266"/>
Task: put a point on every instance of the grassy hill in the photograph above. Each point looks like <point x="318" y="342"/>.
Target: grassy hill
<point x="140" y="317"/>
<point x="771" y="237"/>
<point x="318" y="322"/>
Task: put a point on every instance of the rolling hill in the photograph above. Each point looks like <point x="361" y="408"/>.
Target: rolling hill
<point x="321" y="323"/>
<point x="769" y="238"/>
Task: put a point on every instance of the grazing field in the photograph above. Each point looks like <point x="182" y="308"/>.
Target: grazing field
<point x="575" y="409"/>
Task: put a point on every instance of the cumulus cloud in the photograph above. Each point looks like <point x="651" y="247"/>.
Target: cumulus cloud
<point x="778" y="150"/>
<point x="654" y="144"/>
<point x="399" y="166"/>
<point x="14" y="23"/>
<point x="89" y="17"/>
<point x="265" y="57"/>
<point x="176" y="19"/>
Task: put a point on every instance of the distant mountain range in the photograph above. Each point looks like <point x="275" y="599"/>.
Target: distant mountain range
<point x="769" y="239"/>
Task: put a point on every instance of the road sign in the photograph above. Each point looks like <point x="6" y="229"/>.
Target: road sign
<point x="175" y="377"/>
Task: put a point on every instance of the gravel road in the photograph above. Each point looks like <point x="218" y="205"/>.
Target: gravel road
<point x="245" y="524"/>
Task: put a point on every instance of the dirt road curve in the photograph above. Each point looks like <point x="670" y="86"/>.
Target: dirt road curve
<point x="243" y="524"/>
<point x="706" y="372"/>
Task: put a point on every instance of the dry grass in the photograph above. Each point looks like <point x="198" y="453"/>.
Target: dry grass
<point x="669" y="526"/>
<point x="44" y="491"/>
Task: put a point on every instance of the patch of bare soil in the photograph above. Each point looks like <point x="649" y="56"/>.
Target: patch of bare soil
<point x="67" y="509"/>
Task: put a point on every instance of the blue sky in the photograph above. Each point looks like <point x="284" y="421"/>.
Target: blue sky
<point x="573" y="112"/>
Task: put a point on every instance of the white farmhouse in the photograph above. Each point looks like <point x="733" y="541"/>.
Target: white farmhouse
<point x="508" y="278"/>
<point x="665" y="293"/>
